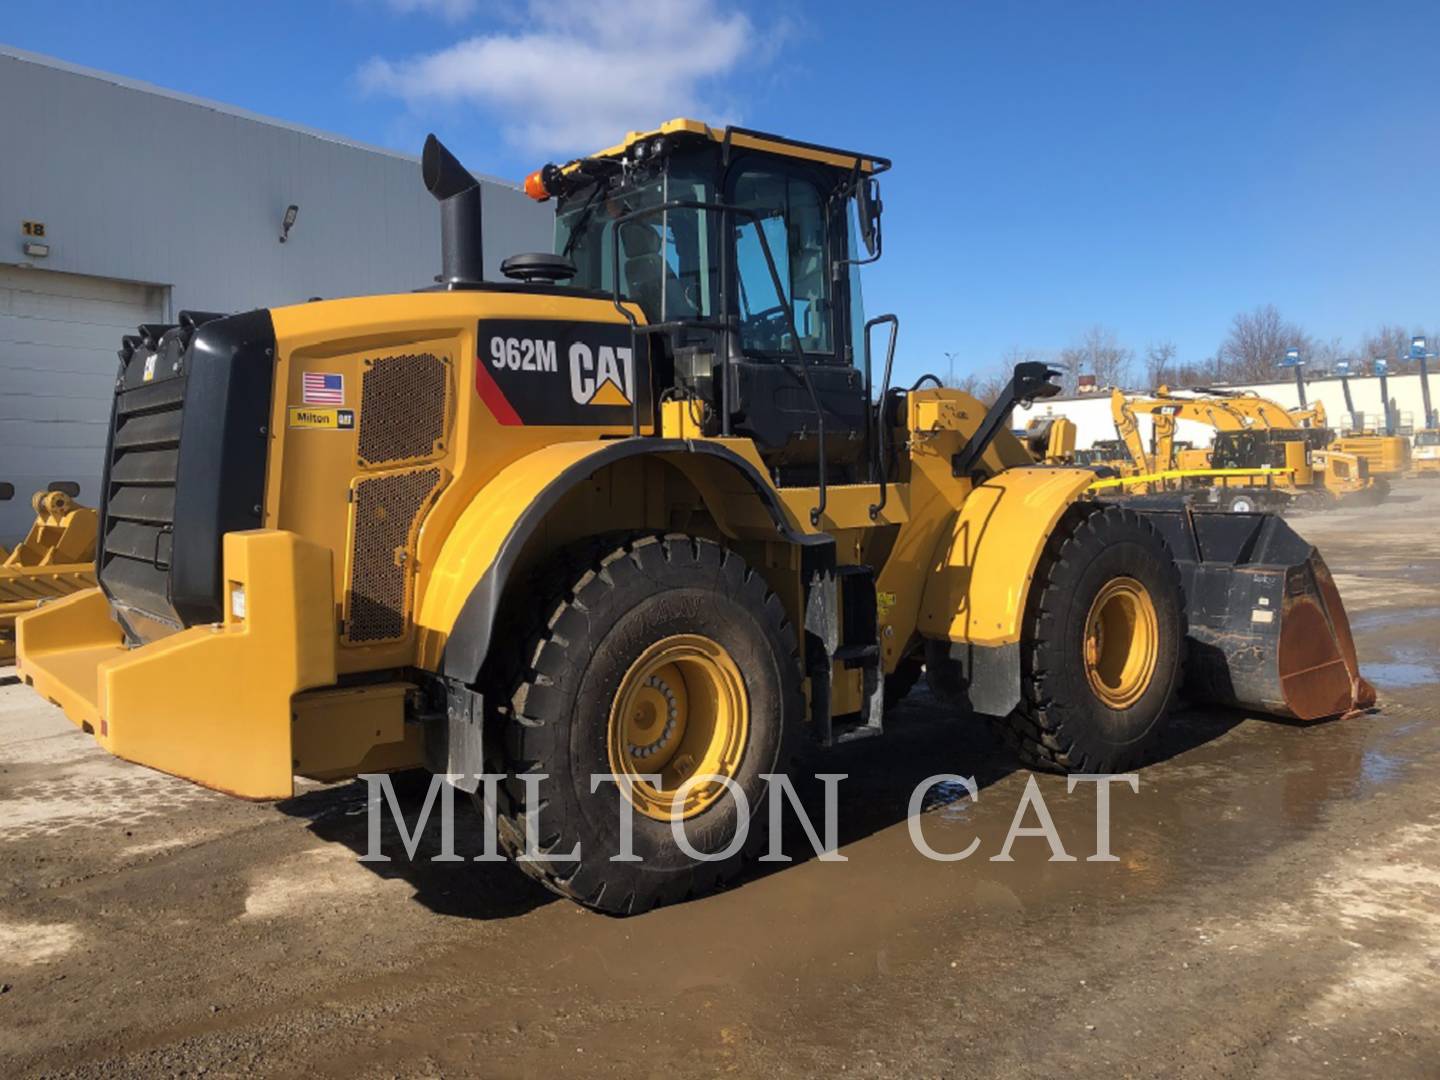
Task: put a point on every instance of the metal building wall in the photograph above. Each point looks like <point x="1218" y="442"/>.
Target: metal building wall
<point x="144" y="185"/>
<point x="140" y="185"/>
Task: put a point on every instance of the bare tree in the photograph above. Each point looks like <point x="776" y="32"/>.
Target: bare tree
<point x="1071" y="362"/>
<point x="1389" y="341"/>
<point x="1098" y="353"/>
<point x="1159" y="362"/>
<point x="1325" y="355"/>
<point x="1257" y="343"/>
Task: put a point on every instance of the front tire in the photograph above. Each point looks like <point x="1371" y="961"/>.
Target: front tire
<point x="668" y="656"/>
<point x="1100" y="652"/>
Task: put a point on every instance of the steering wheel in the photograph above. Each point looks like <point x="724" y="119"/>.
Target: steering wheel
<point x="767" y="328"/>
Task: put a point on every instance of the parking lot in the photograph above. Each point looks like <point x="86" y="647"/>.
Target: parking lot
<point x="1275" y="908"/>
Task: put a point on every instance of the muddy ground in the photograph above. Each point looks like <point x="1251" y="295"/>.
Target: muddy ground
<point x="1275" y="910"/>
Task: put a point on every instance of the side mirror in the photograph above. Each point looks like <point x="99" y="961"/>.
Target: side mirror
<point x="867" y="209"/>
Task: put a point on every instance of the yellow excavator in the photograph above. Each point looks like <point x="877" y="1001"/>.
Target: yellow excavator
<point x="1260" y="454"/>
<point x="1345" y="467"/>
<point x="634" y="530"/>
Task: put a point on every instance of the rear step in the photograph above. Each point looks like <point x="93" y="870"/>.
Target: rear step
<point x="1267" y="629"/>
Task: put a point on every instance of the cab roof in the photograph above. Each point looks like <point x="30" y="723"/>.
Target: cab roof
<point x="747" y="139"/>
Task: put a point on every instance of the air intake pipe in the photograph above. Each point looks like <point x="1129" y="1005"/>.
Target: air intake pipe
<point x="461" y="250"/>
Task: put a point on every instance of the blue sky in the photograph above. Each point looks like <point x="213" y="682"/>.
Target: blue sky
<point x="1150" y="167"/>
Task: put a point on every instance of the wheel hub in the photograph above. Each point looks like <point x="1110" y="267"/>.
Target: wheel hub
<point x="655" y="708"/>
<point x="1122" y="643"/>
<point x="681" y="713"/>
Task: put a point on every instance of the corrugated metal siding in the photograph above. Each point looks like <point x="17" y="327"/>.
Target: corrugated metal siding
<point x="58" y="335"/>
<point x="145" y="187"/>
<point x="138" y="185"/>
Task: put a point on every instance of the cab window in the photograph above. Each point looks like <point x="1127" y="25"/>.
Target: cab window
<point x="792" y="218"/>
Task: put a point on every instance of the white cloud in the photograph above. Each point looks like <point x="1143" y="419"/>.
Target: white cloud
<point x="583" y="73"/>
<point x="449" y="10"/>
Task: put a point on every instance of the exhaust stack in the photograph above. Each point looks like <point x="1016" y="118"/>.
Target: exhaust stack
<point x="461" y="248"/>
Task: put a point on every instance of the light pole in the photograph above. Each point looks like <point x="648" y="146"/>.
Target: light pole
<point x="1382" y="369"/>
<point x="1418" y="352"/>
<point x="1357" y="422"/>
<point x="1292" y="360"/>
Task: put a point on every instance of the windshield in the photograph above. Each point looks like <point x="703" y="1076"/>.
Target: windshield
<point x="667" y="260"/>
<point x="1427" y="438"/>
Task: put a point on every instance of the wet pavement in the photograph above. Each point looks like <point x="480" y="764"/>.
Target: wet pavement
<point x="1274" y="909"/>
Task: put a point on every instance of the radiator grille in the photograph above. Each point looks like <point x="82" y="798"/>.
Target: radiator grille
<point x="403" y="407"/>
<point x="387" y="510"/>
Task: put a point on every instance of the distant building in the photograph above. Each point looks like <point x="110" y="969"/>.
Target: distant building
<point x="122" y="203"/>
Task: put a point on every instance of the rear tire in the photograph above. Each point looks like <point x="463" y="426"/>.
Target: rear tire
<point x="639" y="633"/>
<point x="1100" y="652"/>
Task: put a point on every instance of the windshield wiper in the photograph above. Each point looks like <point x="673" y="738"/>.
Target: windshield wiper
<point x="583" y="220"/>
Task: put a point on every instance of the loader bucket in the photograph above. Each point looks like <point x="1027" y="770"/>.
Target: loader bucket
<point x="1267" y="629"/>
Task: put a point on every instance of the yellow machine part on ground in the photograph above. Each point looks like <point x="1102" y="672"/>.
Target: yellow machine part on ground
<point x="56" y="558"/>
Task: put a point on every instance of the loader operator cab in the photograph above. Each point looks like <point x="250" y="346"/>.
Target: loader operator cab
<point x="742" y="250"/>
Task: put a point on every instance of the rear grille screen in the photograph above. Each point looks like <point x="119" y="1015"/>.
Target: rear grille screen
<point x="185" y="465"/>
<point x="403" y="406"/>
<point x="387" y="512"/>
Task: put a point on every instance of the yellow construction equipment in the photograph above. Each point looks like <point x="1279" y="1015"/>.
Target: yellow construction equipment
<point x="1257" y="444"/>
<point x="1051" y="440"/>
<point x="1386" y="457"/>
<point x="55" y="559"/>
<point x="641" y="519"/>
<point x="1425" y="457"/>
<point x="1312" y="416"/>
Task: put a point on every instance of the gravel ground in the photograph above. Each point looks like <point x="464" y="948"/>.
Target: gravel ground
<point x="1275" y="910"/>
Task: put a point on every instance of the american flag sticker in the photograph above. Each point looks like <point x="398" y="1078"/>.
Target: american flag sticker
<point x="322" y="388"/>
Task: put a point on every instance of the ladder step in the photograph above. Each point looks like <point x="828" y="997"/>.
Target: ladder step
<point x="852" y="654"/>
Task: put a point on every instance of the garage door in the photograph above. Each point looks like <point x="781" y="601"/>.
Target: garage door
<point x="58" y="336"/>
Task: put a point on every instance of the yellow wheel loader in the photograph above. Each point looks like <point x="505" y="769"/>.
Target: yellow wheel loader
<point x="56" y="558"/>
<point x="634" y="529"/>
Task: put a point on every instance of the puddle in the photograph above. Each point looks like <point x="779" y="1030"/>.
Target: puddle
<point x="1401" y="674"/>
<point x="950" y="798"/>
<point x="1378" y="768"/>
<point x="1378" y="620"/>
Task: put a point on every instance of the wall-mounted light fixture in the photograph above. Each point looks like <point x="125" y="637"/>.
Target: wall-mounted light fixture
<point x="36" y="251"/>
<point x="291" y="213"/>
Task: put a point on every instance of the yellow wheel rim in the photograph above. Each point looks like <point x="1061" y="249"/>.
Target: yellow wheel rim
<point x="681" y="712"/>
<point x="1122" y="642"/>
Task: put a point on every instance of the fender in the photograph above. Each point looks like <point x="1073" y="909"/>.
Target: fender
<point x="973" y="607"/>
<point x="463" y="596"/>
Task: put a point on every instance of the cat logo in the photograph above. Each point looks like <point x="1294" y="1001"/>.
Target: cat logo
<point x="600" y="376"/>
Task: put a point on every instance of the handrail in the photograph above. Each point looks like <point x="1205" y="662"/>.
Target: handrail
<point x="881" y="456"/>
<point x="725" y="210"/>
